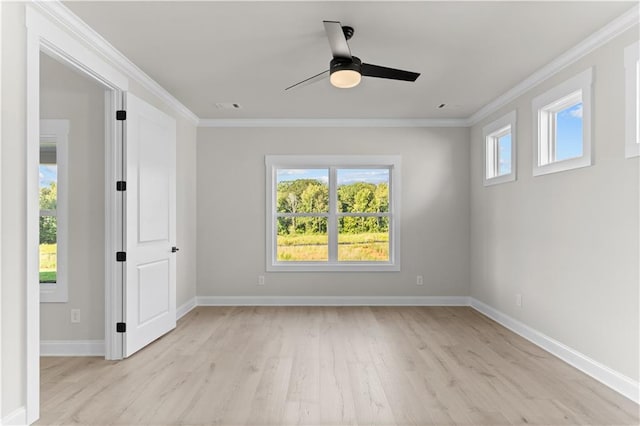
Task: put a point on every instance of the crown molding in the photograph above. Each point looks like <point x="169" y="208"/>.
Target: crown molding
<point x="333" y="122"/>
<point x="76" y="26"/>
<point x="588" y="45"/>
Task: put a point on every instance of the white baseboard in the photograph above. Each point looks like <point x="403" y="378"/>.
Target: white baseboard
<point x="185" y="308"/>
<point x="72" y="348"/>
<point x="332" y="301"/>
<point x="15" y="418"/>
<point x="611" y="378"/>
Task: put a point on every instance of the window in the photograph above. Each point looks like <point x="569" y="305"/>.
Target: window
<point x="53" y="209"/>
<point x="632" y="101"/>
<point x="500" y="150"/>
<point x="333" y="213"/>
<point x="563" y="130"/>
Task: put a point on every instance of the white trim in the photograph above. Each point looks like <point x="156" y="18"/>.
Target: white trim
<point x="185" y="308"/>
<point x="51" y="38"/>
<point x="504" y="122"/>
<point x="332" y="301"/>
<point x="58" y="130"/>
<point x="607" y="376"/>
<point x="542" y="107"/>
<point x="577" y="52"/>
<point x="631" y="56"/>
<point x="32" y="240"/>
<point x="78" y="28"/>
<point x="333" y="122"/>
<point x="17" y="417"/>
<point x="72" y="348"/>
<point x="331" y="162"/>
<point x="113" y="226"/>
<point x="1" y="236"/>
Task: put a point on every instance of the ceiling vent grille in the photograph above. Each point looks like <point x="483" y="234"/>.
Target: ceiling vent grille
<point x="228" y="105"/>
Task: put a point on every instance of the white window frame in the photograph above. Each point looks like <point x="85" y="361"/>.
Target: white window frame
<point x="632" y="99"/>
<point x="544" y="107"/>
<point x="57" y="131"/>
<point x="491" y="135"/>
<point x="332" y="163"/>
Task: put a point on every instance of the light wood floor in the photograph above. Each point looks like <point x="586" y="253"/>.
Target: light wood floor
<point x="330" y="366"/>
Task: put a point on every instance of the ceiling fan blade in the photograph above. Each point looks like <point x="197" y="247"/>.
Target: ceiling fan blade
<point x="390" y="73"/>
<point x="337" y="40"/>
<point x="310" y="80"/>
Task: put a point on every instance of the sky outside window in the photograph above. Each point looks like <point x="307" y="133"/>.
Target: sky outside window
<point x="569" y="132"/>
<point x="374" y="176"/>
<point x="285" y="175"/>
<point x="504" y="155"/>
<point x="48" y="174"/>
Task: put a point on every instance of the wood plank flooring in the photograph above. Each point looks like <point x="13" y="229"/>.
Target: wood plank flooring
<point x="330" y="366"/>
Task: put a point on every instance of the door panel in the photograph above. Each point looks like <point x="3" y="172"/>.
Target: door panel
<point x="150" y="282"/>
<point x="151" y="278"/>
<point x="153" y="182"/>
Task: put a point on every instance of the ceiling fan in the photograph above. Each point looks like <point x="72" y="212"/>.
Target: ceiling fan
<point x="346" y="71"/>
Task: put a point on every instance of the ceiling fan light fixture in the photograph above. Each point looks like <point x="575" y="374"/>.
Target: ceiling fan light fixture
<point x="345" y="79"/>
<point x="345" y="73"/>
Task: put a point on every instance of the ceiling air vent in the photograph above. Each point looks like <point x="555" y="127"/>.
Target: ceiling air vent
<point x="228" y="105"/>
<point x="447" y="106"/>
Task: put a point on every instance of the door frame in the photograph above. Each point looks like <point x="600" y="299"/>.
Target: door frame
<point x="44" y="35"/>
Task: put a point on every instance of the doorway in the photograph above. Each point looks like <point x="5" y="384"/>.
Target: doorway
<point x="72" y="211"/>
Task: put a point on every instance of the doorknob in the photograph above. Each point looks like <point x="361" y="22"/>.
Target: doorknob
<point x="174" y="249"/>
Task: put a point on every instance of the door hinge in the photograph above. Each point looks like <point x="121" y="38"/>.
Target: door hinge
<point x="121" y="185"/>
<point x="121" y="256"/>
<point x="121" y="115"/>
<point x="121" y="327"/>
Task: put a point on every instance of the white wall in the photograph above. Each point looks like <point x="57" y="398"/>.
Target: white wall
<point x="67" y="94"/>
<point x="231" y="211"/>
<point x="13" y="157"/>
<point x="568" y="242"/>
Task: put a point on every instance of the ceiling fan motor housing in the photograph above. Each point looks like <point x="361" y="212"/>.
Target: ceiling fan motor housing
<point x="343" y="64"/>
<point x="345" y="73"/>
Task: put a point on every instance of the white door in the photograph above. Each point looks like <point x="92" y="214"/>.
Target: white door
<point x="150" y="225"/>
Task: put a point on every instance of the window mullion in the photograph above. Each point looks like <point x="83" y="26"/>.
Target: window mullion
<point x="332" y="221"/>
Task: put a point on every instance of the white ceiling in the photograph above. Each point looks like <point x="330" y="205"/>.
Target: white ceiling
<point x="469" y="53"/>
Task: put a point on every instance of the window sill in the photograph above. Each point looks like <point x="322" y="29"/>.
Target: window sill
<point x="632" y="150"/>
<point x="511" y="177"/>
<point x="326" y="267"/>
<point x="562" y="166"/>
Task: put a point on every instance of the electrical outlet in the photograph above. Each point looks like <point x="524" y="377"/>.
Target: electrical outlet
<point x="75" y="316"/>
<point x="260" y="279"/>
<point x="419" y="280"/>
<point x="519" y="300"/>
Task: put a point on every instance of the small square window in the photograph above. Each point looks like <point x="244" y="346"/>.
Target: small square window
<point x="499" y="145"/>
<point x="563" y="118"/>
<point x="632" y="101"/>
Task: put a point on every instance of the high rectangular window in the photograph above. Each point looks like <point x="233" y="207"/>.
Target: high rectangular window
<point x="562" y="126"/>
<point x="333" y="213"/>
<point x="632" y="101"/>
<point x="500" y="150"/>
